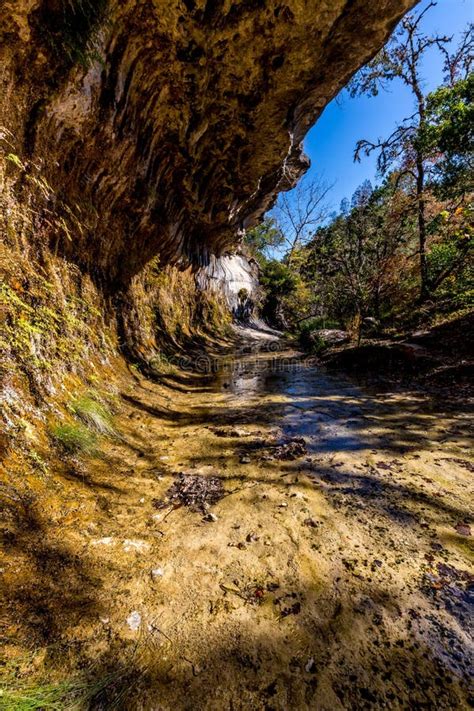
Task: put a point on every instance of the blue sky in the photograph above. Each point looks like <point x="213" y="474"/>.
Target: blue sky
<point x="330" y="143"/>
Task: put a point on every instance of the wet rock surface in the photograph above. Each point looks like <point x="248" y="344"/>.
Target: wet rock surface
<point x="334" y="580"/>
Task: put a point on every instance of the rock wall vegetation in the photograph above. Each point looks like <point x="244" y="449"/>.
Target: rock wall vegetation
<point x="137" y="139"/>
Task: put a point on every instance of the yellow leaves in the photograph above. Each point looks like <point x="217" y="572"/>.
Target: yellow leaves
<point x="63" y="225"/>
<point x="13" y="158"/>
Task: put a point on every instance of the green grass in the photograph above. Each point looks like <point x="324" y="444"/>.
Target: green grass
<point x="78" y="693"/>
<point x="94" y="414"/>
<point x="74" y="695"/>
<point x="93" y="420"/>
<point x="51" y="697"/>
<point x="75" y="438"/>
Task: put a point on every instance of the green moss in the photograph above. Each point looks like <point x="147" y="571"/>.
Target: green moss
<point x="37" y="461"/>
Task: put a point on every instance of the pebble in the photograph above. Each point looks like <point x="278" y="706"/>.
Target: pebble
<point x="210" y="518"/>
<point x="138" y="546"/>
<point x="157" y="573"/>
<point x="134" y="620"/>
<point x="107" y="541"/>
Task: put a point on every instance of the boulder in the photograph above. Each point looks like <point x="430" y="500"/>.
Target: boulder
<point x="330" y="336"/>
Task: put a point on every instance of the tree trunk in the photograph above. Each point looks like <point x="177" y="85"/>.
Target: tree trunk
<point x="420" y="180"/>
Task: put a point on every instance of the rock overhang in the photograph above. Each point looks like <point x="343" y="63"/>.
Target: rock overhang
<point x="171" y="126"/>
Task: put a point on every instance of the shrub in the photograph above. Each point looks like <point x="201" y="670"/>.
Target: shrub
<point x="309" y="341"/>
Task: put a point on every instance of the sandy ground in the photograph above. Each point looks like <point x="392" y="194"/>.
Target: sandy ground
<point x="334" y="580"/>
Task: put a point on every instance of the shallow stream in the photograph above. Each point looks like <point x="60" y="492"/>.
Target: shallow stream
<point x="332" y="574"/>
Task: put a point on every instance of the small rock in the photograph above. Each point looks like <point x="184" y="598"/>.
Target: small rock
<point x="107" y="541"/>
<point x="137" y="546"/>
<point x="310" y="522"/>
<point x="310" y="666"/>
<point x="157" y="573"/>
<point x="134" y="620"/>
<point x="251" y="538"/>
<point x="283" y="505"/>
<point x="463" y="528"/>
<point x="210" y="518"/>
<point x="244" y="459"/>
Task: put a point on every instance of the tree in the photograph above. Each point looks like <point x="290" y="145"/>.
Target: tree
<point x="351" y="261"/>
<point x="300" y="212"/>
<point x="278" y="282"/>
<point x="402" y="58"/>
<point x="261" y="241"/>
<point x="448" y="135"/>
<point x="362" y="194"/>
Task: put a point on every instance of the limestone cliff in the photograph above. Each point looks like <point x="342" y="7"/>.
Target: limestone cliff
<point x="236" y="278"/>
<point x="166" y="127"/>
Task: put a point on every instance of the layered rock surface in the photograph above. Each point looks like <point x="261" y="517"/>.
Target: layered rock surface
<point x="167" y="127"/>
<point x="236" y="278"/>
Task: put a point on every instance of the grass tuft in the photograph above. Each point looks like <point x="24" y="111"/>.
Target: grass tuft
<point x="78" y="693"/>
<point x="75" y="438"/>
<point x="94" y="414"/>
<point x="50" y="697"/>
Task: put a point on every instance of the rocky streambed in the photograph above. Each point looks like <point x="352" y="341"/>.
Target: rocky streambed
<point x="264" y="536"/>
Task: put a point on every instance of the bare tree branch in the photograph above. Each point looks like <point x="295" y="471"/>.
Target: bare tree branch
<point x="300" y="212"/>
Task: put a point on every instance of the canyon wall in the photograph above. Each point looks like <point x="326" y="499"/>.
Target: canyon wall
<point x="235" y="278"/>
<point x="168" y="127"/>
